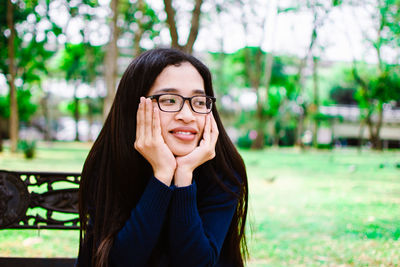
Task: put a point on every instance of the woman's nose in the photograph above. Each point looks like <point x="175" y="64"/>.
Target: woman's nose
<point x="186" y="113"/>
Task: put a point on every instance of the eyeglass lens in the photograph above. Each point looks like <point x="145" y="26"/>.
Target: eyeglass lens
<point x="173" y="103"/>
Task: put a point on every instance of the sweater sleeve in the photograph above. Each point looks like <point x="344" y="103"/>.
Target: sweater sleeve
<point x="135" y="241"/>
<point x="196" y="234"/>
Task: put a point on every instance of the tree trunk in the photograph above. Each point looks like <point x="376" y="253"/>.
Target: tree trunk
<point x="173" y="31"/>
<point x="374" y="130"/>
<point x="254" y="72"/>
<point x="260" y="138"/>
<point x="11" y="80"/>
<point x="360" y="135"/>
<point x="262" y="119"/>
<point x="90" y="117"/>
<point x="111" y="61"/>
<point x="139" y="32"/>
<point x="1" y="135"/>
<point x="76" y="113"/>
<point x="314" y="36"/>
<point x="378" y="128"/>
<point x="194" y="27"/>
<point x="45" y="108"/>
<point x="300" y="130"/>
<point x="316" y="101"/>
<point x="299" y="82"/>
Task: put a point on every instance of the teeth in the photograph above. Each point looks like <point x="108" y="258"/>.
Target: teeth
<point x="186" y="133"/>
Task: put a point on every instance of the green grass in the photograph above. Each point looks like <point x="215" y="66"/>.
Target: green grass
<point x="324" y="208"/>
<point x="312" y="208"/>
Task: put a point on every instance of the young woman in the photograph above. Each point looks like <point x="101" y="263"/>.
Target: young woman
<point x="163" y="185"/>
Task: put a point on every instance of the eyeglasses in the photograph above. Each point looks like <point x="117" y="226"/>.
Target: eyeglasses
<point x="174" y="103"/>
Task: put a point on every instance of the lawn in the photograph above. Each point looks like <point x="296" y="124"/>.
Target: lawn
<point x="312" y="208"/>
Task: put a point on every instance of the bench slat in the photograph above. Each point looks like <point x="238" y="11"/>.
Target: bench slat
<point x="37" y="262"/>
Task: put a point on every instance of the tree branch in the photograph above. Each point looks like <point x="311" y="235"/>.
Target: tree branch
<point x="194" y="29"/>
<point x="172" y="23"/>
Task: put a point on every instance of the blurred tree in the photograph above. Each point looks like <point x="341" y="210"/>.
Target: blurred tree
<point x="23" y="32"/>
<point x="173" y="29"/>
<point x="80" y="64"/>
<point x="258" y="67"/>
<point x="4" y="109"/>
<point x="131" y="21"/>
<point x="26" y="108"/>
<point x="319" y="10"/>
<point x="374" y="92"/>
<point x="111" y="58"/>
<point x="139" y="22"/>
<point x="237" y="75"/>
<point x="12" y="75"/>
<point x="382" y="86"/>
<point x="343" y="96"/>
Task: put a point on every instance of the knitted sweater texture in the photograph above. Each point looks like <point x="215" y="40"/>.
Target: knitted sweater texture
<point x="174" y="226"/>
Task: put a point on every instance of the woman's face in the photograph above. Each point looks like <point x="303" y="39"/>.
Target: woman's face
<point x="181" y="130"/>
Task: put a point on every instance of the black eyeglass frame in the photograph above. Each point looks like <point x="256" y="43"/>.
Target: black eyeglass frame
<point x="157" y="97"/>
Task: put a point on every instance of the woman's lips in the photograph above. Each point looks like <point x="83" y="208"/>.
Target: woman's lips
<point x="184" y="134"/>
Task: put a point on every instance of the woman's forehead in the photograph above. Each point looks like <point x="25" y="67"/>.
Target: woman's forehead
<point x="178" y="91"/>
<point x="182" y="79"/>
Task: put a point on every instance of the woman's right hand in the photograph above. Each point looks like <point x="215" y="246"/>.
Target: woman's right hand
<point x="150" y="143"/>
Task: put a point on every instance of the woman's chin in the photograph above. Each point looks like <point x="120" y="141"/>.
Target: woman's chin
<point x="181" y="152"/>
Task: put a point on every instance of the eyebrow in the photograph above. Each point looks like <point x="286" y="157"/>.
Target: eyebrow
<point x="174" y="90"/>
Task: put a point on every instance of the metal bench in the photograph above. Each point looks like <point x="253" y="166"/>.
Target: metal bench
<point x="23" y="192"/>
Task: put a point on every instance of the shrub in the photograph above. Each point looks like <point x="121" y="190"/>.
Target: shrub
<point x="28" y="147"/>
<point x="244" y="141"/>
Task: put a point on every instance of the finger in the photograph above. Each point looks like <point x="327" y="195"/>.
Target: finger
<point x="156" y="124"/>
<point x="148" y="117"/>
<point x="140" y="120"/>
<point x="214" y="130"/>
<point x="207" y="129"/>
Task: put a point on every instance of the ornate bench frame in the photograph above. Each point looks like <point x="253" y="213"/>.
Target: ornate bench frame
<point x="23" y="192"/>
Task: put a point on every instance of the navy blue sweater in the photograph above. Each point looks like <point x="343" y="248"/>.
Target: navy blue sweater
<point x="173" y="226"/>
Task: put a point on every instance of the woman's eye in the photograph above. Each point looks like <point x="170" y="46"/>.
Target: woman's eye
<point x="200" y="103"/>
<point x="168" y="101"/>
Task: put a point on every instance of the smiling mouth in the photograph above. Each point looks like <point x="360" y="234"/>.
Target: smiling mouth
<point x="184" y="135"/>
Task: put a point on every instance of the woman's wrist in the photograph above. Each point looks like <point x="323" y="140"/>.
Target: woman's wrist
<point x="183" y="177"/>
<point x="164" y="176"/>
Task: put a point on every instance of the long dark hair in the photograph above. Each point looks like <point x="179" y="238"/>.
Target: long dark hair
<point x="115" y="174"/>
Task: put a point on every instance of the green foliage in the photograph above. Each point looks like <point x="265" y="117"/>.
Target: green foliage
<point x="276" y="96"/>
<point x="234" y="72"/>
<point x="386" y="87"/>
<point x="67" y="107"/>
<point x="244" y="141"/>
<point x="139" y="18"/>
<point x="4" y="107"/>
<point x="326" y="118"/>
<point x="28" y="147"/>
<point x="31" y="53"/>
<point x="343" y="96"/>
<point x="26" y="107"/>
<point x="80" y="62"/>
<point x="376" y="88"/>
<point x="336" y="2"/>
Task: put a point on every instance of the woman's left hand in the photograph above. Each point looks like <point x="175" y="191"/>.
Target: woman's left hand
<point x="204" y="152"/>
